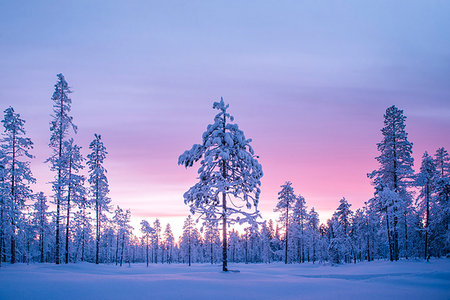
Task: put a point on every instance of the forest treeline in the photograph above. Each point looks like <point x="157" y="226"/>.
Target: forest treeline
<point x="407" y="217"/>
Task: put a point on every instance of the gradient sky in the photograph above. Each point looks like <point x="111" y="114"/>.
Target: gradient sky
<point x="308" y="81"/>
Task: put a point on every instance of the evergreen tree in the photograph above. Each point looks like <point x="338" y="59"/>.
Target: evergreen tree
<point x="99" y="186"/>
<point x="211" y="239"/>
<point x="82" y="227"/>
<point x="41" y="222"/>
<point x="16" y="174"/>
<point x="73" y="181"/>
<point x="285" y="205"/>
<point x="442" y="161"/>
<point x="427" y="181"/>
<point x="146" y="230"/>
<point x="228" y="167"/>
<point x="395" y="171"/>
<point x="59" y="128"/>
<point x="313" y="225"/>
<point x="186" y="242"/>
<point x="299" y="217"/>
<point x="168" y="244"/>
<point x="156" y="238"/>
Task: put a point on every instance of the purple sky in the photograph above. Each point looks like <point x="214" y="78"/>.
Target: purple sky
<point x="308" y="82"/>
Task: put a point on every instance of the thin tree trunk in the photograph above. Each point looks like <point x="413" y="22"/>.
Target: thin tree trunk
<point x="391" y="257"/>
<point x="427" y="220"/>
<point x="286" y="237"/>
<point x="13" y="201"/>
<point x="224" y="232"/>
<point x="123" y="244"/>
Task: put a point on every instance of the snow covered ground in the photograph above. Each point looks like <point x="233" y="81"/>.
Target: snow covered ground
<point x="375" y="280"/>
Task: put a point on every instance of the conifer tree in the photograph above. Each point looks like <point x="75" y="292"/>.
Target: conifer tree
<point x="313" y="224"/>
<point x="427" y="181"/>
<point x="99" y="186"/>
<point x="395" y="171"/>
<point x="187" y="238"/>
<point x="147" y="230"/>
<point x="285" y="206"/>
<point x="40" y="221"/>
<point x="59" y="127"/>
<point x="17" y="175"/>
<point x="73" y="181"/>
<point x="299" y="217"/>
<point x="442" y="161"/>
<point x="229" y="168"/>
<point x="168" y="243"/>
<point x="156" y="238"/>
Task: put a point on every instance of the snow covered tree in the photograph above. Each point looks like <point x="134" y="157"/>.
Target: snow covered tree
<point x="228" y="167"/>
<point x="146" y="230"/>
<point x="186" y="242"/>
<point x="59" y="127"/>
<point x="168" y="244"/>
<point x="17" y="176"/>
<point x="82" y="227"/>
<point x="73" y="181"/>
<point x="442" y="161"/>
<point x="41" y="222"/>
<point x="99" y="186"/>
<point x="299" y="219"/>
<point x="121" y="220"/>
<point x="4" y="190"/>
<point x="156" y="238"/>
<point x="211" y="239"/>
<point x="285" y="206"/>
<point x="427" y="181"/>
<point x="395" y="171"/>
<point x="343" y="217"/>
<point x="313" y="226"/>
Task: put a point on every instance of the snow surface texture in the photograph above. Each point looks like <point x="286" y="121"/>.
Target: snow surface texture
<point x="374" y="280"/>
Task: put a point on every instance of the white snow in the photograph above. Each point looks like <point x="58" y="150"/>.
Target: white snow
<point x="374" y="280"/>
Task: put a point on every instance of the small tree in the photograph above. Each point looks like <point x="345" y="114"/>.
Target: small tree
<point x="230" y="168"/>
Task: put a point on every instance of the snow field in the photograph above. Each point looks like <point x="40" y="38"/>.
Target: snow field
<point x="374" y="280"/>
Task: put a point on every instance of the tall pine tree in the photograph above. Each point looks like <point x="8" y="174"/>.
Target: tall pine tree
<point x="395" y="171"/>
<point x="59" y="127"/>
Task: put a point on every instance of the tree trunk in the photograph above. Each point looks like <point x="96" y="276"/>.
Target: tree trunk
<point x="68" y="210"/>
<point x="391" y="257"/>
<point x="147" y="251"/>
<point x="427" y="219"/>
<point x="224" y="232"/>
<point x="13" y="201"/>
<point x="123" y="244"/>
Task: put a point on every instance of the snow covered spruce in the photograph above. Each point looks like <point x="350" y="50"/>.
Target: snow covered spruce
<point x="228" y="169"/>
